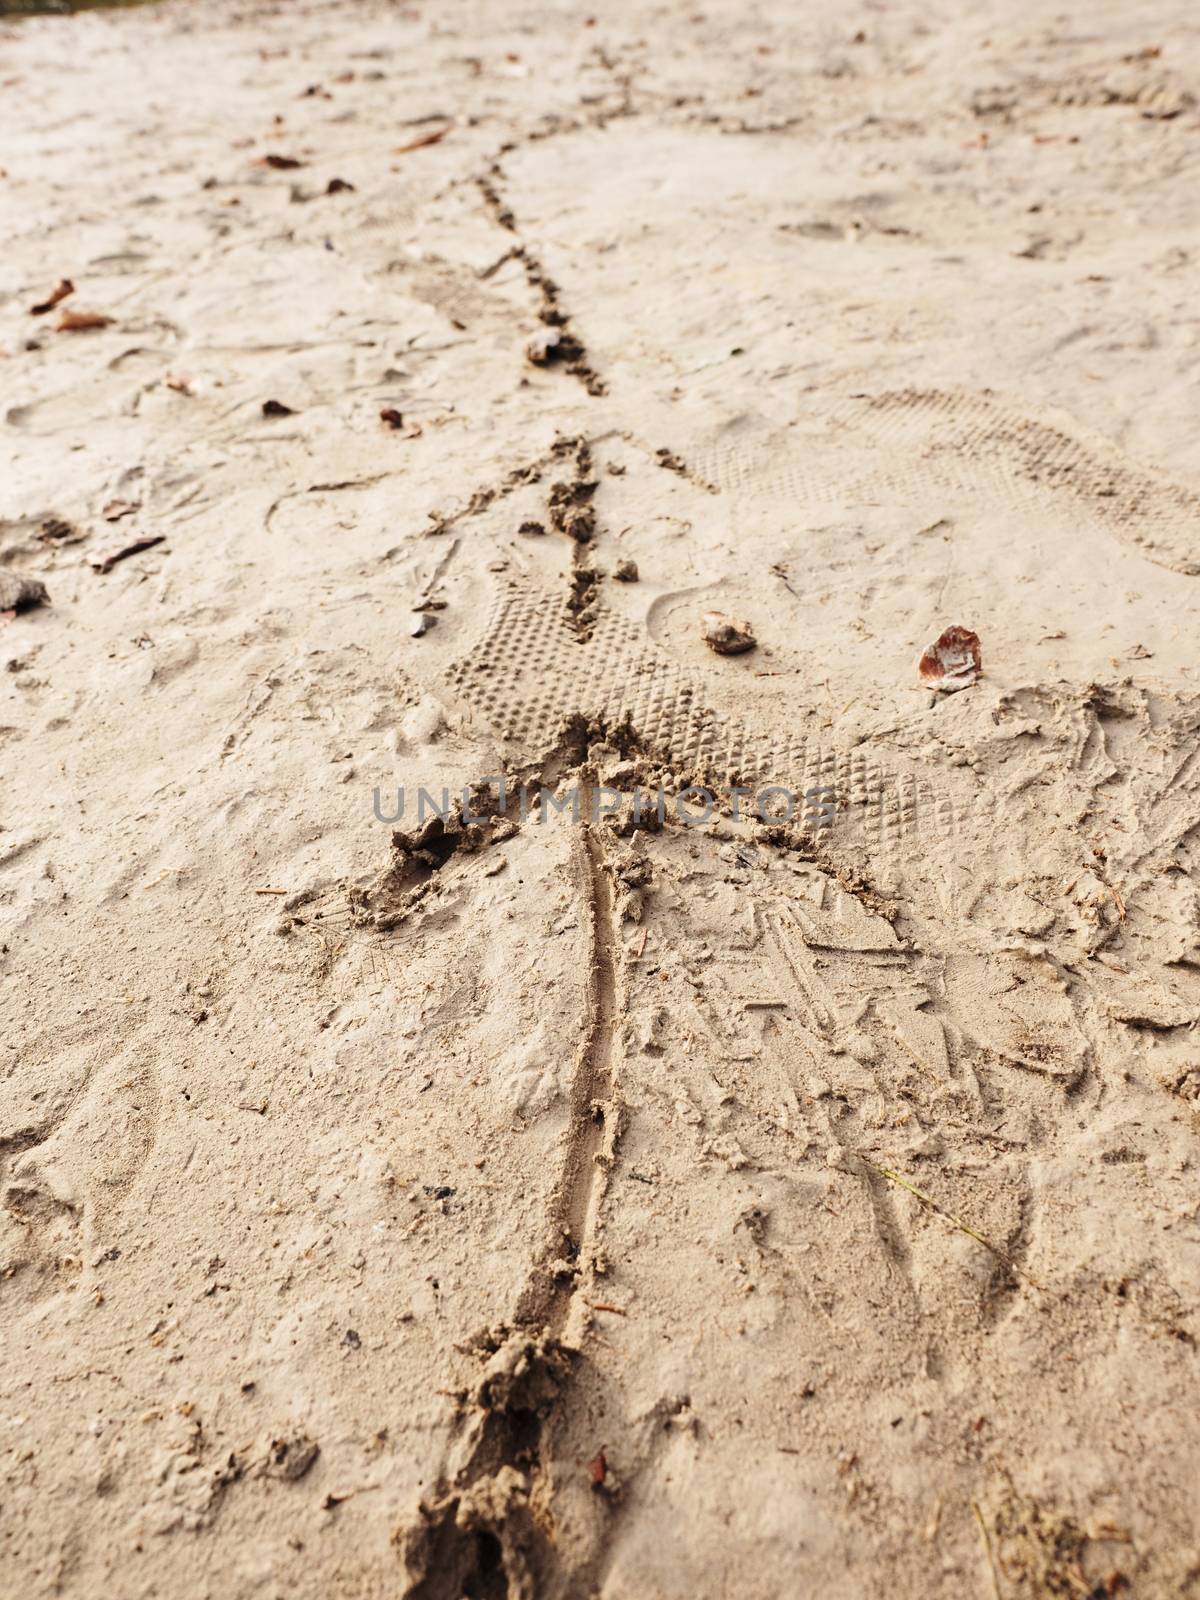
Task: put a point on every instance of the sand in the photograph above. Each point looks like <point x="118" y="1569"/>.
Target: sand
<point x="573" y="1208"/>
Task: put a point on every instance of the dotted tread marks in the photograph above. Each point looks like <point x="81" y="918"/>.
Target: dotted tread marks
<point x="528" y="676"/>
<point x="977" y="446"/>
<point x="990" y="439"/>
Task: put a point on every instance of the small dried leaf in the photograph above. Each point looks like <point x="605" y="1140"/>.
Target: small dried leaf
<point x="65" y="287"/>
<point x="116" y="509"/>
<point x="953" y="661"/>
<point x="425" y="139"/>
<point x="276" y="408"/>
<point x="82" y="321"/>
<point x="279" y="163"/>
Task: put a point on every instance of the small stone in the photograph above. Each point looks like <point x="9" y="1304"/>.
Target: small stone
<point x="19" y="592"/>
<point x="542" y="348"/>
<point x="626" y="571"/>
<point x="290" y="1458"/>
<point x="725" y="636"/>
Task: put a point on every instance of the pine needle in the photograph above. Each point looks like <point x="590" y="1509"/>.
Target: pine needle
<point x="955" y="1222"/>
<point x="987" y="1548"/>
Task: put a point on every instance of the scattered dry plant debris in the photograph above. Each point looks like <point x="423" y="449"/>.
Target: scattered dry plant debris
<point x="1040" y="1553"/>
<point x="481" y="499"/>
<point x="955" y="1222"/>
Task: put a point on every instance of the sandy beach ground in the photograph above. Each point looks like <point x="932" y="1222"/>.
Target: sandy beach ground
<point x="578" y="1209"/>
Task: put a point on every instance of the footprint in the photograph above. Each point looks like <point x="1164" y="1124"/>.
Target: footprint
<point x="528" y="674"/>
<point x="925" y="443"/>
<point x="64" y="1184"/>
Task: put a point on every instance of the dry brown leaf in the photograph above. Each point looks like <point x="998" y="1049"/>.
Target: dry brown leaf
<point x="82" y="321"/>
<point x="116" y="509"/>
<point x="279" y="163"/>
<point x="422" y="141"/>
<point x="64" y="288"/>
<point x="953" y="661"/>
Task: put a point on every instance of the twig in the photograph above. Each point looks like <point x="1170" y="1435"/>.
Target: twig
<point x="104" y="561"/>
